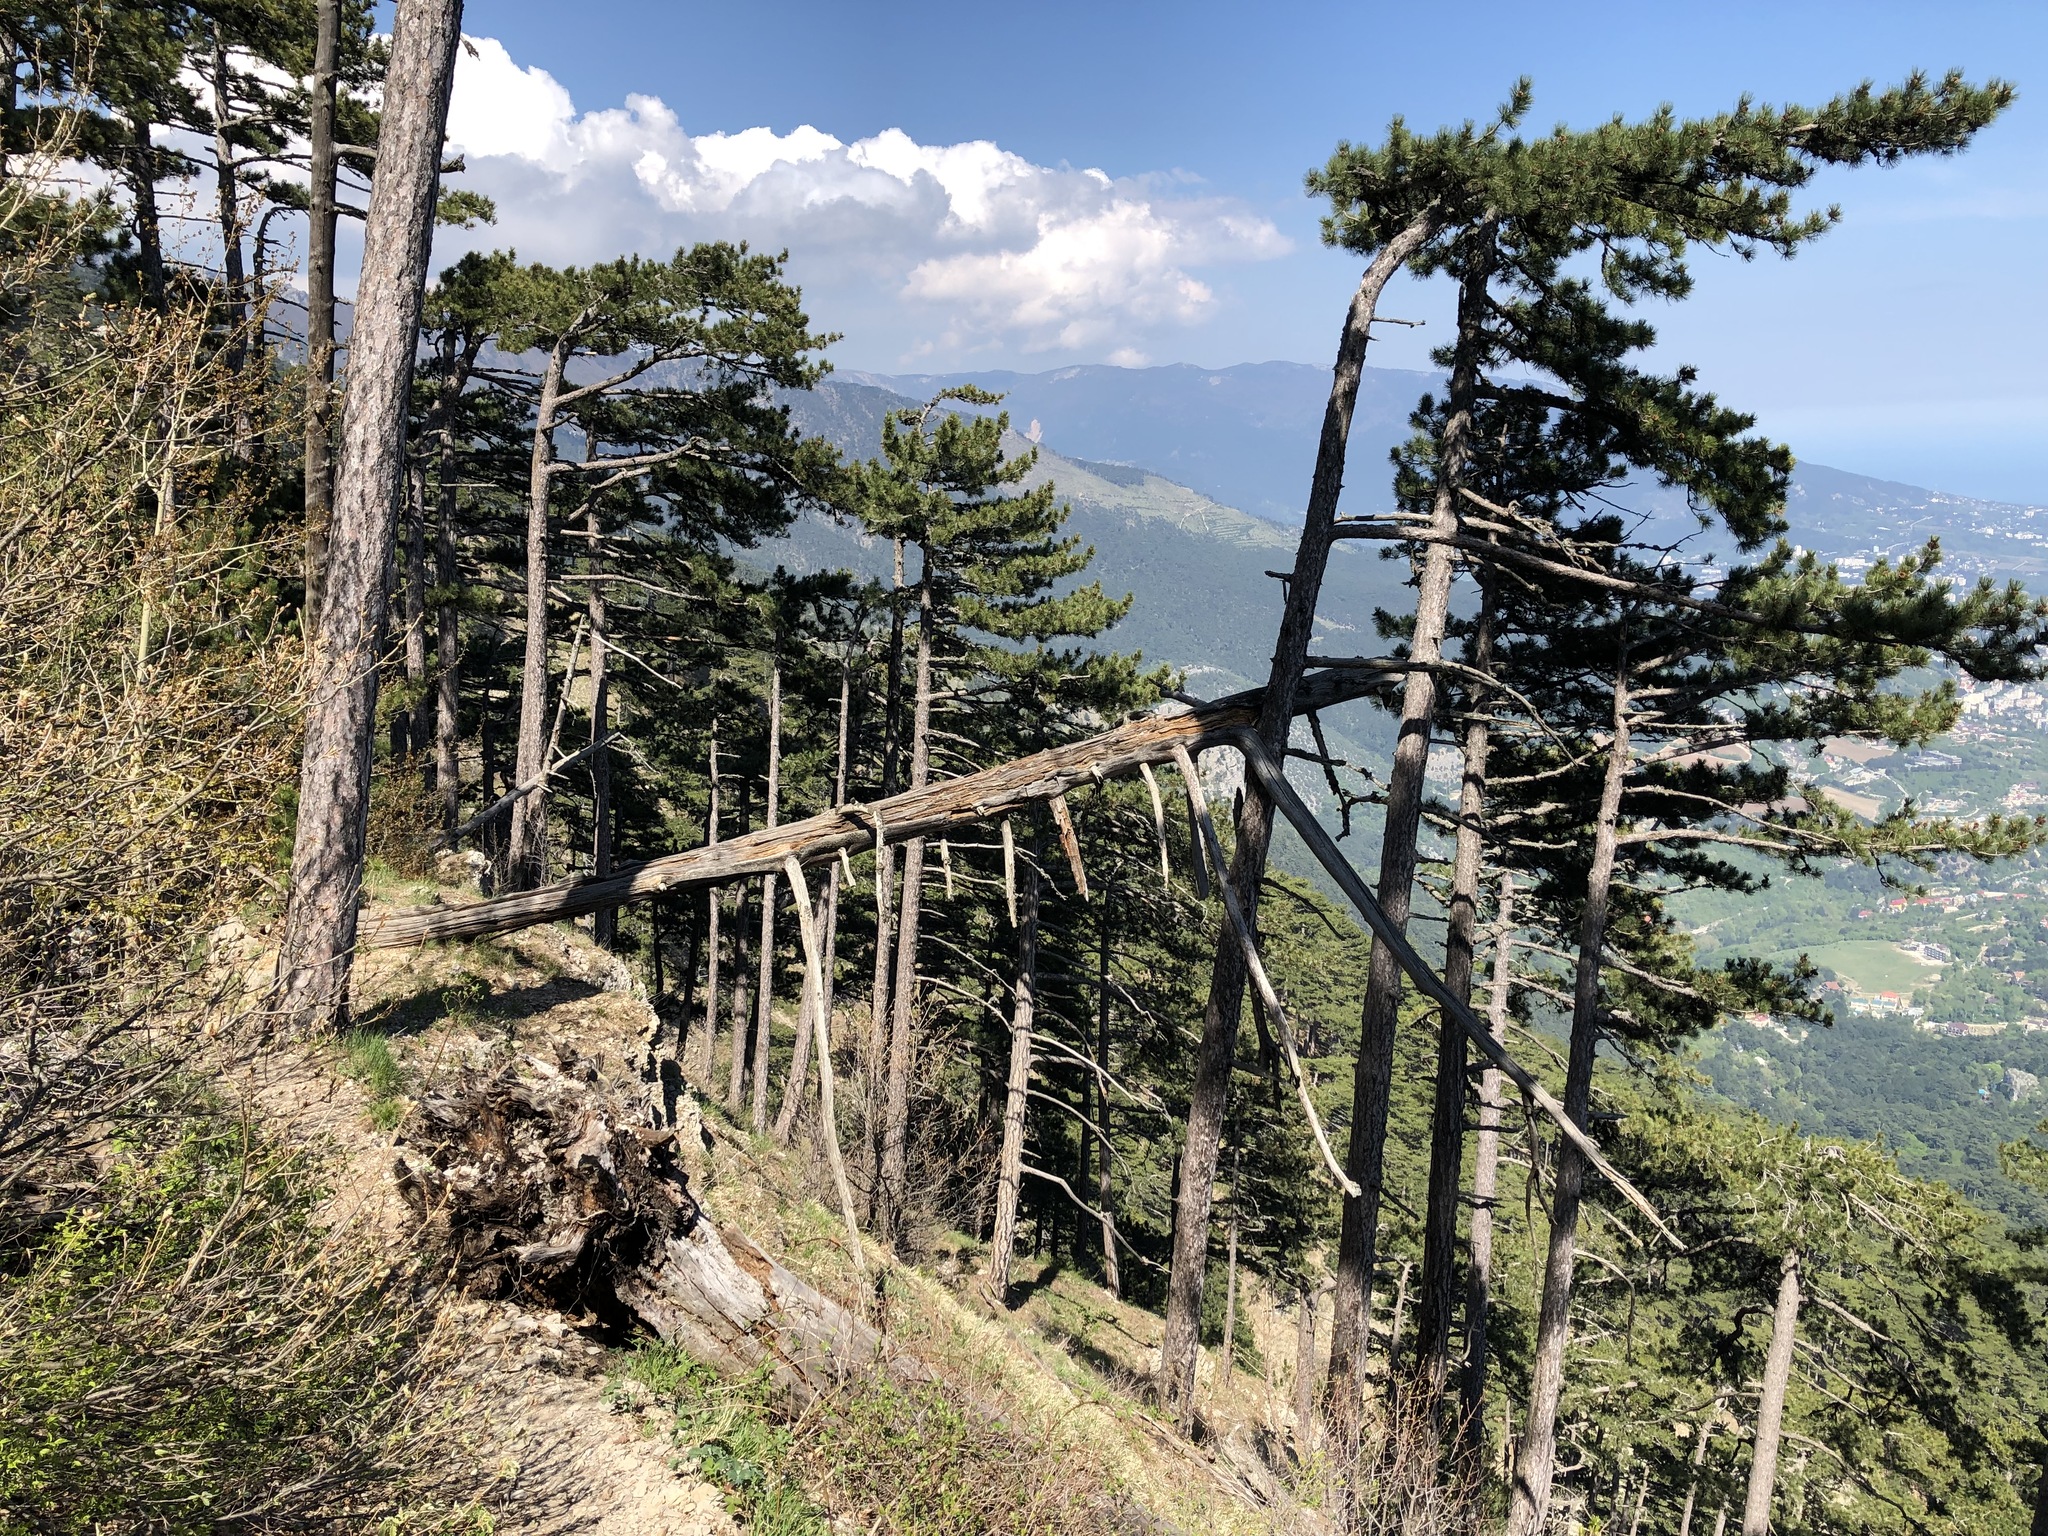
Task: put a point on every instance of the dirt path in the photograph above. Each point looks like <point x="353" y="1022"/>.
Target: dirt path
<point x="522" y="1424"/>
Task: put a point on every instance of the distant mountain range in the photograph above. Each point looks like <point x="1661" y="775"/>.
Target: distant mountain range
<point x="1189" y="482"/>
<point x="1246" y="437"/>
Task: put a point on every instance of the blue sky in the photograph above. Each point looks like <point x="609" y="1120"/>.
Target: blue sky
<point x="1031" y="187"/>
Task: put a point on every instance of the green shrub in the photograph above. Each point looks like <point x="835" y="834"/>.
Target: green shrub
<point x="187" y="1349"/>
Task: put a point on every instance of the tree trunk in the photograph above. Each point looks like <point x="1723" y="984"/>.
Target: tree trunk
<point x="416" y="722"/>
<point x="1112" y="1275"/>
<point x="1210" y="1094"/>
<point x="1537" y="1460"/>
<point x="526" y="864"/>
<point x="742" y="1016"/>
<point x="902" y="1016"/>
<point x="713" y="900"/>
<point x="1447" y="1120"/>
<point x="149" y="238"/>
<point x="448" y="638"/>
<point x="764" y="989"/>
<point x="1305" y="1370"/>
<point x="1770" y="1410"/>
<point x="604" y="923"/>
<point x="1394" y="1322"/>
<point x="1699" y="1459"/>
<point x="227" y="185"/>
<point x="1010" y="1161"/>
<point x="319" y="463"/>
<point x="318" y="948"/>
<point x="1485" y="1186"/>
<point x="1358" y="1238"/>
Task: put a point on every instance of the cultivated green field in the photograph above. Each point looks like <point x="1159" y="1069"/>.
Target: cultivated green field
<point x="1872" y="964"/>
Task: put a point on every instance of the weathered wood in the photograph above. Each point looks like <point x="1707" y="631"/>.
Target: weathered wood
<point x="536" y="1183"/>
<point x="917" y="813"/>
<point x="1070" y="842"/>
<point x="1158" y="826"/>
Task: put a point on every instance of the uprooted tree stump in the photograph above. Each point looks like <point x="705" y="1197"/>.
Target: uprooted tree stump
<point x="541" y="1186"/>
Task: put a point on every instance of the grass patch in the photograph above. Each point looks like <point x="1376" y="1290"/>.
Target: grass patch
<point x="726" y="1432"/>
<point x="367" y="1057"/>
<point x="886" y="1457"/>
<point x="1873" y="964"/>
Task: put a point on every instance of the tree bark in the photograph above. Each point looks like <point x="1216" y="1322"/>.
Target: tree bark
<point x="1209" y="1096"/>
<point x="604" y="923"/>
<point x="713" y="900"/>
<point x="1447" y="1120"/>
<point x="764" y="987"/>
<point x="1485" y="1191"/>
<point x="318" y="948"/>
<point x="1770" y="1411"/>
<point x="526" y="863"/>
<point x="902" y="1015"/>
<point x="319" y="461"/>
<point x="1016" y="1092"/>
<point x="1535" y="1464"/>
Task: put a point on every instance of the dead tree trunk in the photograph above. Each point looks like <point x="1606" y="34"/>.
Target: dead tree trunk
<point x="1485" y="1186"/>
<point x="1536" y="1463"/>
<point x="538" y="1185"/>
<point x="764" y="986"/>
<point x="1016" y="1092"/>
<point x="1770" y="1410"/>
<point x="903" y="1009"/>
<point x="800" y="1057"/>
<point x="1447" y="1121"/>
<point x="318" y="948"/>
<point x="1358" y="1237"/>
<point x="319" y="461"/>
<point x="1214" y="1060"/>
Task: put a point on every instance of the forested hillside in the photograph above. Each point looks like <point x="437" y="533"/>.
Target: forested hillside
<point x="937" y="985"/>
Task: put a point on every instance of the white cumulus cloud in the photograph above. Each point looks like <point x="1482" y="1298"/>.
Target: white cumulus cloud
<point x="912" y="249"/>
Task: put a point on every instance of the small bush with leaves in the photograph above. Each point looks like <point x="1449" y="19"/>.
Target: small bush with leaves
<point x="192" y="1327"/>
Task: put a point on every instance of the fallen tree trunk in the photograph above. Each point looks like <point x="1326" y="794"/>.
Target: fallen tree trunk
<point x="539" y="1185"/>
<point x="917" y="813"/>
